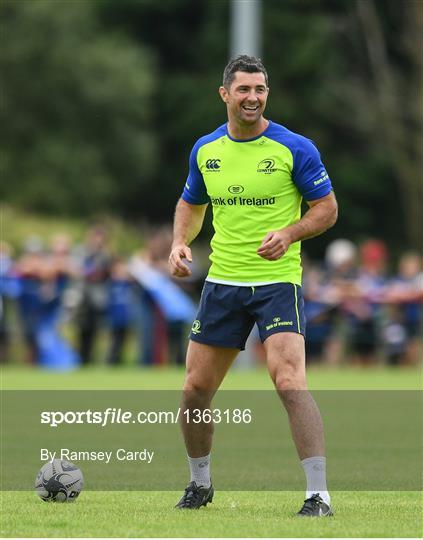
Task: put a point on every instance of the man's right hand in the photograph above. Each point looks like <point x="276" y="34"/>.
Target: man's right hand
<point x="177" y="267"/>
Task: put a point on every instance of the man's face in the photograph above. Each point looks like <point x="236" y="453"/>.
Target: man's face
<point x="246" y="97"/>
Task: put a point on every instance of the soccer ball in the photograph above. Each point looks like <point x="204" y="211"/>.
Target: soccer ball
<point x="59" y="481"/>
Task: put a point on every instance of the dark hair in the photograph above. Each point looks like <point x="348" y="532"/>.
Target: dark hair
<point x="245" y="63"/>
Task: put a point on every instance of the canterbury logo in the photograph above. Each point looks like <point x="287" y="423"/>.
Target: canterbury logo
<point x="213" y="164"/>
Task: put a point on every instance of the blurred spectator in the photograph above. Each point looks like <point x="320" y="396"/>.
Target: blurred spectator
<point x="342" y="270"/>
<point x="60" y="266"/>
<point x="363" y="303"/>
<point x="158" y="244"/>
<point x="146" y="317"/>
<point x="319" y="312"/>
<point x="119" y="309"/>
<point x="403" y="330"/>
<point x="58" y="269"/>
<point x="43" y="277"/>
<point x="9" y="290"/>
<point x="163" y="323"/>
<point x="156" y="253"/>
<point x="394" y="335"/>
<point x="95" y="274"/>
<point x="30" y="269"/>
<point x="341" y="260"/>
<point x="323" y="295"/>
<point x="150" y="321"/>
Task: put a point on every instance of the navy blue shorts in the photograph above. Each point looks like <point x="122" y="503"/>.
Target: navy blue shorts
<point x="227" y="313"/>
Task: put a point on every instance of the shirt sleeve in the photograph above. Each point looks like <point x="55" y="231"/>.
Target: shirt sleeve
<point x="309" y="173"/>
<point x="195" y="191"/>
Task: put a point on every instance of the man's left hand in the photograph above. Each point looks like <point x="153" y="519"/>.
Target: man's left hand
<point x="274" y="245"/>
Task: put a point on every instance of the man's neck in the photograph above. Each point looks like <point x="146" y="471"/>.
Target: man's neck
<point x="237" y="131"/>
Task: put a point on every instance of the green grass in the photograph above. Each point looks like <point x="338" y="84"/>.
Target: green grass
<point x="171" y="378"/>
<point x="232" y="514"/>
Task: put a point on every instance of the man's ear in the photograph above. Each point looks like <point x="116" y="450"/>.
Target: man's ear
<point x="223" y="94"/>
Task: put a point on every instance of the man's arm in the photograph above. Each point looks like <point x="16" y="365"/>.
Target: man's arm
<point x="186" y="226"/>
<point x="321" y="215"/>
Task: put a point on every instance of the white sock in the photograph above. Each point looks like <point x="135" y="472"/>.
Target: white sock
<point x="200" y="470"/>
<point x="315" y="471"/>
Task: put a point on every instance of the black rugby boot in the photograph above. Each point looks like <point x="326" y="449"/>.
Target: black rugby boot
<point x="315" y="507"/>
<point x="195" y="497"/>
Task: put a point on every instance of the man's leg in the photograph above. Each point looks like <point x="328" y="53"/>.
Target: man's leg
<point x="285" y="354"/>
<point x="206" y="367"/>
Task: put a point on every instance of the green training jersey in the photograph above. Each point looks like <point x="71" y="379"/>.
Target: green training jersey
<point x="254" y="186"/>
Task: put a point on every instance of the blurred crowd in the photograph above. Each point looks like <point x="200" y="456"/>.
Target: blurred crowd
<point x="93" y="295"/>
<point x="61" y="299"/>
<point x="357" y="310"/>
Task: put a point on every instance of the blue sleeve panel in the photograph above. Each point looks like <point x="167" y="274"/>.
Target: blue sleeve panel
<point x="195" y="190"/>
<point x="309" y="173"/>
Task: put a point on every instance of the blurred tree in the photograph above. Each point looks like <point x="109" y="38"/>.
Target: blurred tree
<point x="395" y="93"/>
<point x="190" y="39"/>
<point x="349" y="76"/>
<point x="86" y="103"/>
<point x="76" y="110"/>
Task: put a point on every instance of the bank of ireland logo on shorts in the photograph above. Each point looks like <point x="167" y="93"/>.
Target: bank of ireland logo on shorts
<point x="266" y="166"/>
<point x="277" y="321"/>
<point x="196" y="327"/>
<point x="213" y="165"/>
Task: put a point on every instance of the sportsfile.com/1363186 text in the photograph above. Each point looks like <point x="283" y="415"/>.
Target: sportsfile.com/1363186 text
<point x="113" y="415"/>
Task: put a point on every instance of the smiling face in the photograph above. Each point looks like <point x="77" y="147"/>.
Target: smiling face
<point x="245" y="99"/>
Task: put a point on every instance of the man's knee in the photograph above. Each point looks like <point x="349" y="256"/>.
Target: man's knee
<point x="196" y="393"/>
<point x="194" y="384"/>
<point x="286" y="361"/>
<point x="206" y="366"/>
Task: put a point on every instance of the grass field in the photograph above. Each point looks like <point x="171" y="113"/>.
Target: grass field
<point x="171" y="378"/>
<point x="233" y="513"/>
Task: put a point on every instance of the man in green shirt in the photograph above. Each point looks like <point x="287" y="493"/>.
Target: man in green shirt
<point x="254" y="173"/>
